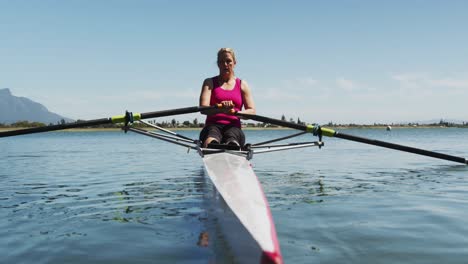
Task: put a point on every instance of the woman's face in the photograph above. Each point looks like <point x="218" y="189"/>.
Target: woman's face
<point x="226" y="63"/>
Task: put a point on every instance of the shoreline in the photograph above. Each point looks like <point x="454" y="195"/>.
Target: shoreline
<point x="5" y="129"/>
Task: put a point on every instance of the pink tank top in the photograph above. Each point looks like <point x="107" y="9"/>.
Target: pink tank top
<point x="218" y="94"/>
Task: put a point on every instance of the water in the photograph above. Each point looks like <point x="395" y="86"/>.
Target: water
<point x="110" y="197"/>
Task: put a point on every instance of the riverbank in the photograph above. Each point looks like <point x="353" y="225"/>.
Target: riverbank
<point x="4" y="129"/>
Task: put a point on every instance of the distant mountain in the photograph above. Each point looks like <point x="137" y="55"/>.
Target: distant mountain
<point x="13" y="109"/>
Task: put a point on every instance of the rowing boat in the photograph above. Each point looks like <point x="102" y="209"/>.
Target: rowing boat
<point x="242" y="207"/>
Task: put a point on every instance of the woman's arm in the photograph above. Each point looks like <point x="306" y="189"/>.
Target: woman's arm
<point x="249" y="105"/>
<point x="205" y="96"/>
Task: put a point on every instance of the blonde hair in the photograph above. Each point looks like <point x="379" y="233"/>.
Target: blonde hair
<point x="226" y="50"/>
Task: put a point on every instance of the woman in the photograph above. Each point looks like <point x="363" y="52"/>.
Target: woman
<point x="221" y="126"/>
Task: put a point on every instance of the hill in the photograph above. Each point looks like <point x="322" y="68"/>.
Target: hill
<point x="14" y="109"/>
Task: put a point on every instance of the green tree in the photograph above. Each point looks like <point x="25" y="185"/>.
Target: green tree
<point x="27" y="124"/>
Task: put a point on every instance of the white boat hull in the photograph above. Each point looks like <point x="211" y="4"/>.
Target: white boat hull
<point x="242" y="210"/>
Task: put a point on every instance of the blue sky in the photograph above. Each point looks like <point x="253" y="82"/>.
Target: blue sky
<point x="340" y="61"/>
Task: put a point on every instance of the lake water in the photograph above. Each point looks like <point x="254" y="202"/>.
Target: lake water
<point x="110" y="197"/>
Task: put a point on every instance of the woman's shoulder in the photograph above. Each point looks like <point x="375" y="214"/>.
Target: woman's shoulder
<point x="244" y="84"/>
<point x="209" y="81"/>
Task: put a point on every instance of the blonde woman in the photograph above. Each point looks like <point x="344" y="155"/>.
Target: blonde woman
<point x="221" y="126"/>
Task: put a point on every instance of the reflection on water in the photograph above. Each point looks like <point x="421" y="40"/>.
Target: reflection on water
<point x="164" y="198"/>
<point x="204" y="239"/>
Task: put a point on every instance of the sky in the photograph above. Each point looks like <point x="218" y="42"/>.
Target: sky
<point x="322" y="61"/>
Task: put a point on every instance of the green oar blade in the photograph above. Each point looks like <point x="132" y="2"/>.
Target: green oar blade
<point x="332" y="133"/>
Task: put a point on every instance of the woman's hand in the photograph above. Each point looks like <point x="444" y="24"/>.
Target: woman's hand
<point x="227" y="106"/>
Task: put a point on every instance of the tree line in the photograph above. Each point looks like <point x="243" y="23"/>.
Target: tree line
<point x="196" y="124"/>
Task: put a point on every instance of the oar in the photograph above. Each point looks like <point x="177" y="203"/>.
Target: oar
<point x="331" y="133"/>
<point x="128" y="117"/>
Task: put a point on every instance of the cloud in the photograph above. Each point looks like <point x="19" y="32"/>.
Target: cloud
<point x="300" y="84"/>
<point x="280" y="94"/>
<point x="308" y="81"/>
<point x="424" y="81"/>
<point x="167" y="94"/>
<point x="450" y="83"/>
<point x="346" y="84"/>
<point x="291" y="89"/>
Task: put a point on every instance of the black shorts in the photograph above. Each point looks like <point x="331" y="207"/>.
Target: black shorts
<point x="223" y="133"/>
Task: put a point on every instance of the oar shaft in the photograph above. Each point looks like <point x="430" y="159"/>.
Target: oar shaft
<point x="332" y="133"/>
<point x="179" y="111"/>
<point x="273" y="121"/>
<point x="32" y="130"/>
<point x="114" y="119"/>
<point x="401" y="148"/>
